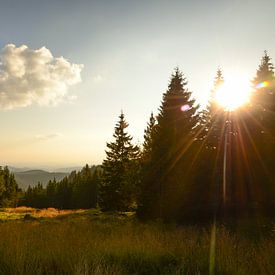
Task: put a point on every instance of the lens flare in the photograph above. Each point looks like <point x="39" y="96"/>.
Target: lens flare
<point x="185" y="108"/>
<point x="263" y="84"/>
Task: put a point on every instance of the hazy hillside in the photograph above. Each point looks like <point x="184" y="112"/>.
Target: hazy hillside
<point x="68" y="169"/>
<point x="32" y="177"/>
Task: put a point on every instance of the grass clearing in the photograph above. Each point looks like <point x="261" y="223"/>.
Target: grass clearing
<point x="89" y="242"/>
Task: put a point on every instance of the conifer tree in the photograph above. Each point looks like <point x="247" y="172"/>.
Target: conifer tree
<point x="260" y="125"/>
<point x="213" y="116"/>
<point x="8" y="188"/>
<point x="174" y="132"/>
<point x="119" y="178"/>
<point x="51" y="192"/>
<point x="263" y="98"/>
<point x="209" y="168"/>
<point x="148" y="137"/>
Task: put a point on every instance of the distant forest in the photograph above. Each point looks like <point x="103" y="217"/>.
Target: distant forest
<point x="194" y="164"/>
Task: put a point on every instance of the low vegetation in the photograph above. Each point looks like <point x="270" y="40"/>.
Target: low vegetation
<point x="91" y="242"/>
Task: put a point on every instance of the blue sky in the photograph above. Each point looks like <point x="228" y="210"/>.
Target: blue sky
<point x="128" y="49"/>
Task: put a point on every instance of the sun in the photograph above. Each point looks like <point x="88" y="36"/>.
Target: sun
<point x="234" y="92"/>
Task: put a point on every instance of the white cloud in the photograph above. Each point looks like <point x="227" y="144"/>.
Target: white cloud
<point x="34" y="77"/>
<point x="48" y="136"/>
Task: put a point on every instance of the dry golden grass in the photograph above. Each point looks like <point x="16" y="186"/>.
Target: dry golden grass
<point x="53" y="212"/>
<point x="21" y="209"/>
<point x="90" y="242"/>
<point x="39" y="213"/>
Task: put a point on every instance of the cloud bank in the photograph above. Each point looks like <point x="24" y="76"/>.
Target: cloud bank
<point x="30" y="77"/>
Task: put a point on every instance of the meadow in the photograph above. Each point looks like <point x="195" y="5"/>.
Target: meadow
<point x="89" y="242"/>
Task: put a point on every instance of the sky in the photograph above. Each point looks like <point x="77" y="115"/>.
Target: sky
<point x="68" y="68"/>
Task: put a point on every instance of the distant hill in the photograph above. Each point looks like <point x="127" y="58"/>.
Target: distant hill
<point x="18" y="169"/>
<point x="68" y="169"/>
<point x="32" y="177"/>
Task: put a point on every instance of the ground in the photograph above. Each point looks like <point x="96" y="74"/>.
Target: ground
<point x="51" y="241"/>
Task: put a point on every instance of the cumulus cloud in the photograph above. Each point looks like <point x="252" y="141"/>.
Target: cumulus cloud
<point x="48" y="136"/>
<point x="30" y="76"/>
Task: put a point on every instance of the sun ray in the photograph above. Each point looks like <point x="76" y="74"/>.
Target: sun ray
<point x="234" y="92"/>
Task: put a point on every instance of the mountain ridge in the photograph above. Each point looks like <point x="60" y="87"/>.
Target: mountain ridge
<point x="32" y="177"/>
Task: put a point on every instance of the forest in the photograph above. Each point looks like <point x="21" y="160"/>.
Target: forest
<point x="194" y="164"/>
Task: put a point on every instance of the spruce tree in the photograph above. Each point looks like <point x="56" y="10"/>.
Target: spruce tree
<point x="119" y="178"/>
<point x="208" y="174"/>
<point x="174" y="133"/>
<point x="51" y="192"/>
<point x="148" y="138"/>
<point x="260" y="125"/>
<point x="8" y="188"/>
<point x="213" y="119"/>
<point x="263" y="98"/>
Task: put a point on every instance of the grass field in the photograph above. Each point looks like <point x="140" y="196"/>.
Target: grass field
<point x="89" y="242"/>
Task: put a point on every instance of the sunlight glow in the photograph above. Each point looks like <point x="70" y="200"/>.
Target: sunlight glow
<point x="234" y="92"/>
<point x="263" y="84"/>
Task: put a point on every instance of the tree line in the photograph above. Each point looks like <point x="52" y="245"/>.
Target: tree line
<point x="78" y="190"/>
<point x="193" y="164"/>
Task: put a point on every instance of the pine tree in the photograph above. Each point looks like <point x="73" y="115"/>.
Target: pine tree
<point x="260" y="128"/>
<point x="8" y="188"/>
<point x="209" y="167"/>
<point x="119" y="178"/>
<point x="174" y="134"/>
<point x="263" y="98"/>
<point x="148" y="138"/>
<point x="51" y="193"/>
<point x="213" y="118"/>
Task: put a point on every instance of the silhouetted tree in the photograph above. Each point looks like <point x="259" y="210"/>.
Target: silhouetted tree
<point x="148" y="138"/>
<point x="260" y="129"/>
<point x="174" y="134"/>
<point x="120" y="171"/>
<point x="213" y="118"/>
<point x="206" y="193"/>
<point x="263" y="98"/>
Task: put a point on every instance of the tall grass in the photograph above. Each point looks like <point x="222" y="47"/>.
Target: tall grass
<point x="92" y="243"/>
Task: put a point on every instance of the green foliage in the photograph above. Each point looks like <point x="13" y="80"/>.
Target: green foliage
<point x="8" y="188"/>
<point x="78" y="190"/>
<point x="120" y="171"/>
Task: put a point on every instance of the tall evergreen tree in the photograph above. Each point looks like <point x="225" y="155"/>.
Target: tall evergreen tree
<point x="263" y="98"/>
<point x="209" y="166"/>
<point x="260" y="127"/>
<point x="174" y="133"/>
<point x="148" y="138"/>
<point x="119" y="178"/>
<point x="51" y="193"/>
<point x="8" y="188"/>
<point x="213" y="116"/>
